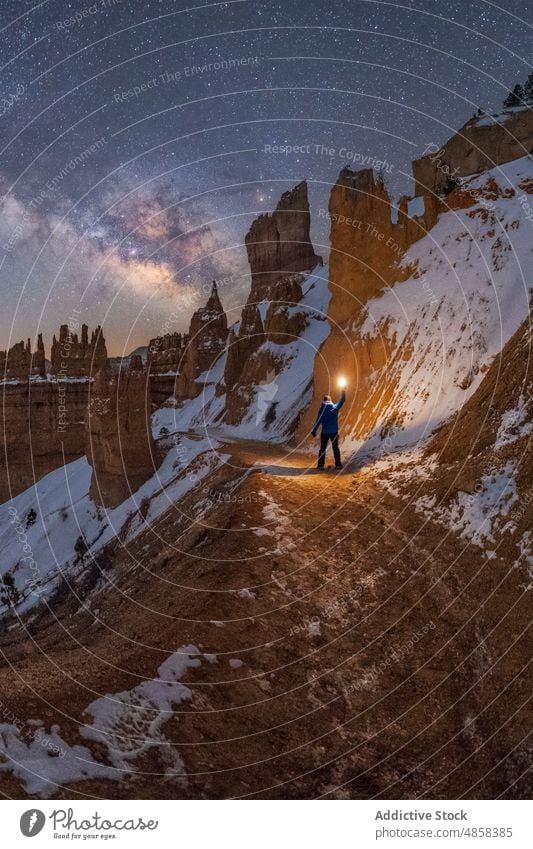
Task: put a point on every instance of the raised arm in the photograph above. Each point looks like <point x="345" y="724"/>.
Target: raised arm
<point x="339" y="404"/>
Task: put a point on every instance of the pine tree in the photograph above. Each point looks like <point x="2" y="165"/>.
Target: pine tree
<point x="528" y="88"/>
<point x="515" y="97"/>
<point x="30" y="518"/>
<point x="9" y="593"/>
<point x="81" y="548"/>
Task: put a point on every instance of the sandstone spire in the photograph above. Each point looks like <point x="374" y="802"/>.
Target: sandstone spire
<point x="279" y="252"/>
<point x="207" y="338"/>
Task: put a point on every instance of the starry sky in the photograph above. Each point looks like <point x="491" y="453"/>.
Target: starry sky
<point x="138" y="138"/>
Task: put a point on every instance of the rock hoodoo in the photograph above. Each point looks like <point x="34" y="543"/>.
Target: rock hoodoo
<point x="279" y="243"/>
<point x="73" y="357"/>
<point x="163" y="361"/>
<point x="280" y="252"/>
<point x="206" y="340"/>
<point x="20" y="364"/>
<point x="165" y="353"/>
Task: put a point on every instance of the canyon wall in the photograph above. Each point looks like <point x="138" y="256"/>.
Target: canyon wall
<point x="119" y="444"/>
<point x="42" y="428"/>
<point x="369" y="237"/>
<point x="43" y="415"/>
<point x="424" y="295"/>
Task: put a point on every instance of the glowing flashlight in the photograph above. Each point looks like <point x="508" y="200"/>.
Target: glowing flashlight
<point x="342" y="382"/>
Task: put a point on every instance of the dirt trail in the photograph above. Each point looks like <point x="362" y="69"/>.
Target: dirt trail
<point x="346" y="649"/>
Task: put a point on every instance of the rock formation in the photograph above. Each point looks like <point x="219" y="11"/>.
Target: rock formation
<point x="388" y="309"/>
<point x="163" y="362"/>
<point x="478" y="146"/>
<point x="44" y="418"/>
<point x="165" y="352"/>
<point x="279" y="243"/>
<point x="72" y="357"/>
<point x="206" y="340"/>
<point x="280" y="252"/>
<point x="369" y="237"/>
<point x="42" y="430"/>
<point x="20" y="364"/>
<point x="119" y="446"/>
<point x="478" y="478"/>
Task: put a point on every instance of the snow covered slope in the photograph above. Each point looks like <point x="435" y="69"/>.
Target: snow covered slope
<point x="39" y="554"/>
<point x="276" y="402"/>
<point x="475" y="477"/>
<point x="431" y="338"/>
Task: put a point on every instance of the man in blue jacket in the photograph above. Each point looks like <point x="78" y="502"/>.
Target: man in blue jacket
<point x="328" y="419"/>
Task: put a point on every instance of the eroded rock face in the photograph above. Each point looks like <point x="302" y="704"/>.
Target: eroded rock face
<point x="20" y="364"/>
<point x="43" y="414"/>
<point x="73" y="357"/>
<point x="369" y="237"/>
<point x="43" y="429"/>
<point x="402" y="330"/>
<point x="120" y="447"/>
<point x="163" y="362"/>
<point x="279" y="252"/>
<point x="478" y="146"/>
<point x="489" y="440"/>
<point x="206" y="340"/>
<point x="165" y="352"/>
<point x="279" y="243"/>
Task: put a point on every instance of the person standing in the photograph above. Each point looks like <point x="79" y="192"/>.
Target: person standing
<point x="328" y="420"/>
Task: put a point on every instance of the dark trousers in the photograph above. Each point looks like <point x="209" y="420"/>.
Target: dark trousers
<point x="324" y="439"/>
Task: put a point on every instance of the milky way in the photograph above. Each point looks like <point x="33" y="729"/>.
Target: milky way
<point x="140" y="139"/>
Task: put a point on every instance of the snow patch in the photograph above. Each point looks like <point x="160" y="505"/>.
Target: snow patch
<point x="514" y="425"/>
<point x="476" y="516"/>
<point x="129" y="723"/>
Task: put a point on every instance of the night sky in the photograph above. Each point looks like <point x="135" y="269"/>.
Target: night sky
<point x="131" y="170"/>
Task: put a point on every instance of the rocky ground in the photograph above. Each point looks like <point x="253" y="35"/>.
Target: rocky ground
<point x="348" y="647"/>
